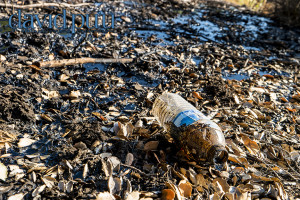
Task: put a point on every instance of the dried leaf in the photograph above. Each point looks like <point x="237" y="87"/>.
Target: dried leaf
<point x="133" y="196"/>
<point x="105" y="196"/>
<point x="195" y="50"/>
<point x="291" y="109"/>
<point x="168" y="194"/>
<point x="236" y="99"/>
<point x="35" y="67"/>
<point x="180" y="175"/>
<point x="14" y="170"/>
<point x="282" y="193"/>
<point x="238" y="170"/>
<point x="47" y="117"/>
<point x="197" y="95"/>
<point x="46" y="94"/>
<point x="63" y="78"/>
<point x="38" y="190"/>
<point x="61" y="186"/>
<point x="192" y="175"/>
<point x="3" y="172"/>
<point x="201" y="181"/>
<point x="69" y="187"/>
<point x="139" y="124"/>
<point x="4" y="189"/>
<point x="234" y="159"/>
<point x="106" y="167"/>
<point x="75" y="94"/>
<point x="128" y="186"/>
<point x="107" y="35"/>
<point x="284" y="99"/>
<point x="115" y="162"/>
<point x="152" y="145"/>
<point x="268" y="76"/>
<point x="234" y="179"/>
<point x="85" y="171"/>
<point x="114" y="184"/>
<point x="222" y="183"/>
<point x="214" y="196"/>
<point x="126" y="19"/>
<point x="24" y="142"/>
<point x="51" y="56"/>
<point x="16" y="196"/>
<point x="236" y="149"/>
<point x="67" y="164"/>
<point x="49" y="181"/>
<point x="99" y="116"/>
<point x="2" y="58"/>
<point x="129" y="159"/>
<point x="185" y="188"/>
<point x="260" y="178"/>
<point x="251" y="145"/>
<point x="172" y="186"/>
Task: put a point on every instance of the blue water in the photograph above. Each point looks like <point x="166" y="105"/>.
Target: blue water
<point x="245" y="76"/>
<point x="92" y="66"/>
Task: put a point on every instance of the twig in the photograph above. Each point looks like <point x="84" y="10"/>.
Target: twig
<point x="147" y="54"/>
<point x="284" y="170"/>
<point x="246" y="63"/>
<point x="41" y="5"/>
<point x="268" y="165"/>
<point x="140" y="171"/>
<point x="75" y="61"/>
<point x="95" y="103"/>
<point x="6" y="10"/>
<point x="288" y="164"/>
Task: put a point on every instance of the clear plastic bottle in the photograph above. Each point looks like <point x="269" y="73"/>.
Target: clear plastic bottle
<point x="196" y="134"/>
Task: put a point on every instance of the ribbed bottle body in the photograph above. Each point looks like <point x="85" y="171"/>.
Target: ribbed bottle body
<point x="190" y="128"/>
<point x="168" y="107"/>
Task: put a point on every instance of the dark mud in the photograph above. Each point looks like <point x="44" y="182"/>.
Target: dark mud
<point x="13" y="105"/>
<point x="89" y="126"/>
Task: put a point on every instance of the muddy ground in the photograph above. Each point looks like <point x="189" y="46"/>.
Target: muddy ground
<point x="86" y="131"/>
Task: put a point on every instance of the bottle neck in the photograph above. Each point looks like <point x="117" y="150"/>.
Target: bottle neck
<point x="217" y="154"/>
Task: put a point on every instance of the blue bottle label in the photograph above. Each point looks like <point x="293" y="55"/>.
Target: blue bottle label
<point x="187" y="117"/>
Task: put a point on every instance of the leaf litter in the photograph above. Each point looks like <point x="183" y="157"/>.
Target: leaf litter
<point x="86" y="131"/>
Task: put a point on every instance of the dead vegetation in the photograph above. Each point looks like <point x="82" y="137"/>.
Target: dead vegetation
<point x="85" y="131"/>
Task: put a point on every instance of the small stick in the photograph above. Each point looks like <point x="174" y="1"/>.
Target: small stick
<point x="6" y="10"/>
<point x="75" y="61"/>
<point x="41" y="5"/>
<point x="134" y="168"/>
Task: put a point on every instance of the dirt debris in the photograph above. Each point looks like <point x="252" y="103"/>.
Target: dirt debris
<point x="14" y="105"/>
<point x="86" y="130"/>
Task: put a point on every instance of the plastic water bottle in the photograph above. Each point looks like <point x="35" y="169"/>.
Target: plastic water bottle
<point x="200" y="138"/>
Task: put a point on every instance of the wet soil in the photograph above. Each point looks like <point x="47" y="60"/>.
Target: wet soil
<point x="89" y="130"/>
